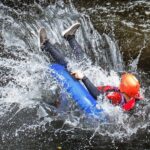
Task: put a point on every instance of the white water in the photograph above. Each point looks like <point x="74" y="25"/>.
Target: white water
<point x="29" y="77"/>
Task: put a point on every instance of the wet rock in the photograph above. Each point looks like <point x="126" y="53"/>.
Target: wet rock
<point x="127" y="22"/>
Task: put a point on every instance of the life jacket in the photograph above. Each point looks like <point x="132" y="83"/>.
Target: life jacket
<point x="116" y="97"/>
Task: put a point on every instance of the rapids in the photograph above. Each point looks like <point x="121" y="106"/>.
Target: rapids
<point x="28" y="120"/>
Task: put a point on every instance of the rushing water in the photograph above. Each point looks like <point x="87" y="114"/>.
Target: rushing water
<point x="28" y="120"/>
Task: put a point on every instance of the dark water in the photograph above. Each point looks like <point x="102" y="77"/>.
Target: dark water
<point x="27" y="118"/>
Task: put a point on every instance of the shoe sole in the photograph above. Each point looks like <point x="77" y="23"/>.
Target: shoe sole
<point x="70" y="29"/>
<point x="42" y="35"/>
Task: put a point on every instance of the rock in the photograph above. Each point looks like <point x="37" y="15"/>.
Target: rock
<point x="127" y="22"/>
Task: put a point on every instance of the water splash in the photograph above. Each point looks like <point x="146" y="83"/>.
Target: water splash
<point x="26" y="76"/>
<point x="134" y="64"/>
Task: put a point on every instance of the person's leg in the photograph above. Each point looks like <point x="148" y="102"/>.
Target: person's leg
<point x="79" y="53"/>
<point x="55" y="53"/>
<point x="48" y="47"/>
<point x="69" y="35"/>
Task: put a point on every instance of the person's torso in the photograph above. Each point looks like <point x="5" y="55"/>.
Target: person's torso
<point x="117" y="98"/>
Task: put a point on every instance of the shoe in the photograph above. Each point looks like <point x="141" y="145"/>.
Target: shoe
<point x="43" y="36"/>
<point x="71" y="30"/>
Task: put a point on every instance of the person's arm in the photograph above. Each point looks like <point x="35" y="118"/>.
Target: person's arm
<point x="89" y="85"/>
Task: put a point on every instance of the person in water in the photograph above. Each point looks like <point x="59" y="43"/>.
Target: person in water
<point x="126" y="95"/>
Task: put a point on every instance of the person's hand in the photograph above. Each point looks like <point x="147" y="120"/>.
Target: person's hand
<point x="77" y="74"/>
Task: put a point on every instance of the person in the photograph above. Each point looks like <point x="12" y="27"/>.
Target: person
<point x="126" y="95"/>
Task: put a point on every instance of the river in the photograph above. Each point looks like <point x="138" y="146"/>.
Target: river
<point x="28" y="120"/>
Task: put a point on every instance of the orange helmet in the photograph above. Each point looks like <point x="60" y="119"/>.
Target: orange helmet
<point x="129" y="85"/>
